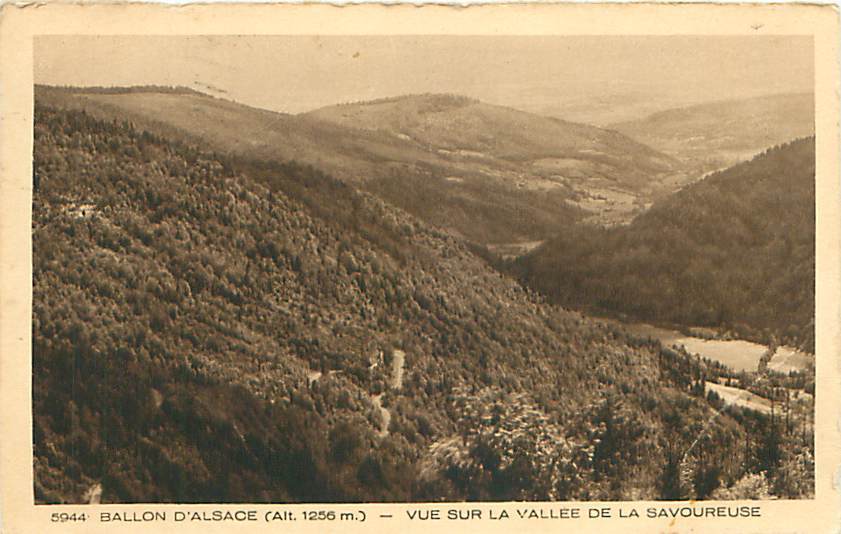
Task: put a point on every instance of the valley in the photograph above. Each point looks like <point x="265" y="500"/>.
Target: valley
<point x="433" y="154"/>
<point x="393" y="300"/>
<point x="734" y="251"/>
<point x="488" y="173"/>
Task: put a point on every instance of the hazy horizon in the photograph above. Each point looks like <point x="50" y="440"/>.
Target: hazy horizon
<point x="596" y="79"/>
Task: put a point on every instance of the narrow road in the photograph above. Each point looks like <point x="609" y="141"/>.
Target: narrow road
<point x="395" y="382"/>
<point x="398" y="361"/>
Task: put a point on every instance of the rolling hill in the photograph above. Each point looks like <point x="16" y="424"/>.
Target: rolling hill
<point x="451" y="124"/>
<point x="208" y="328"/>
<point x="491" y="174"/>
<point x="735" y="250"/>
<point x="715" y="135"/>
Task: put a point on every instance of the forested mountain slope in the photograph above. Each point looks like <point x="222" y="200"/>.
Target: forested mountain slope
<point x="212" y="329"/>
<point x="735" y="250"/>
<point x="488" y="173"/>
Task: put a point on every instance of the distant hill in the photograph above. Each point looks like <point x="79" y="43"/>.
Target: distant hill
<point x="714" y="135"/>
<point x="208" y="328"/>
<point x="468" y="127"/>
<point x="736" y="249"/>
<point x="492" y="174"/>
<point x="608" y="108"/>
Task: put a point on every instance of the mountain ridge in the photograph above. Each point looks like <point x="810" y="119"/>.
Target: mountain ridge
<point x="519" y="185"/>
<point x="716" y="134"/>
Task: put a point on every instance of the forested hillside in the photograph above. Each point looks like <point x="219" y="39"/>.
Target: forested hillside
<point x="208" y="328"/>
<point x="488" y="173"/>
<point x="736" y="250"/>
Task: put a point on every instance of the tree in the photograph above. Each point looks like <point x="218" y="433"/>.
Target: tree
<point x="752" y="486"/>
<point x="706" y="480"/>
<point x="769" y="453"/>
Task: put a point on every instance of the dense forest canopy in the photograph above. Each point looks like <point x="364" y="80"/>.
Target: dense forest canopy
<point x="735" y="250"/>
<point x="210" y="328"/>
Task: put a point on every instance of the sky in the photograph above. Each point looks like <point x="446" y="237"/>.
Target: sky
<point x="596" y="79"/>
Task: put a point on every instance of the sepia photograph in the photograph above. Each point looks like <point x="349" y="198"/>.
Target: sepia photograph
<point x="430" y="268"/>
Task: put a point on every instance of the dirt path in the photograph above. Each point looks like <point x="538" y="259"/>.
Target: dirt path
<point x="313" y="376"/>
<point x="395" y="382"/>
<point x="398" y="361"/>
<point x="384" y="412"/>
